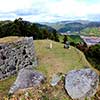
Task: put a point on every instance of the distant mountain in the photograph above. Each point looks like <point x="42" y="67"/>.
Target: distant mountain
<point x="73" y="26"/>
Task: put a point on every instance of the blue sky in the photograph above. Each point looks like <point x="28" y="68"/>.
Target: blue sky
<point x="50" y="10"/>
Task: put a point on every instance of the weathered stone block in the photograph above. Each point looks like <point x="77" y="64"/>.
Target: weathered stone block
<point x="81" y="83"/>
<point x="27" y="78"/>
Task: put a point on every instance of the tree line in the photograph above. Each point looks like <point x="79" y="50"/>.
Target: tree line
<point x="92" y="54"/>
<point x="18" y="27"/>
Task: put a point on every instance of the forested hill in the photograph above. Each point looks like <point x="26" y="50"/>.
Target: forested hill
<point x="19" y="27"/>
<point x="73" y="26"/>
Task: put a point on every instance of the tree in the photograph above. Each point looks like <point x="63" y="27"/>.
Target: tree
<point x="65" y="39"/>
<point x="18" y="27"/>
<point x="34" y="30"/>
<point x="93" y="55"/>
<point x="45" y="34"/>
<point x="56" y="38"/>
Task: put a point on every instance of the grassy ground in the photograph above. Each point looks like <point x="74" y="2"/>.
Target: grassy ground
<point x="5" y="86"/>
<point x="9" y="39"/>
<point x="51" y="61"/>
<point x="58" y="59"/>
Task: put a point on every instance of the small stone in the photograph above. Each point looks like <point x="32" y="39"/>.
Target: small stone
<point x="55" y="80"/>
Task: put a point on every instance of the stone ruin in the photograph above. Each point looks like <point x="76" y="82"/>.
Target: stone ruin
<point x="16" y="55"/>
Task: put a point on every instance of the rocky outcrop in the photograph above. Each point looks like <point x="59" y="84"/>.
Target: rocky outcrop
<point x="27" y="78"/>
<point x="81" y="83"/>
<point x="16" y="55"/>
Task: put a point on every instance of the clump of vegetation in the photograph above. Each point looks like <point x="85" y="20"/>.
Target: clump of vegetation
<point x="65" y="39"/>
<point x="18" y="27"/>
<point x="73" y="39"/>
<point x="93" y="55"/>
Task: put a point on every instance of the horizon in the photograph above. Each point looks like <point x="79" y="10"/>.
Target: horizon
<point x="50" y="10"/>
<point x="53" y="22"/>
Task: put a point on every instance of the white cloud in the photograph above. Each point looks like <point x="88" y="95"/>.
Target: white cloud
<point x="48" y="10"/>
<point x="12" y="5"/>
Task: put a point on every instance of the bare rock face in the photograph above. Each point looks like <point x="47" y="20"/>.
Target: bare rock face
<point x="16" y="55"/>
<point x="81" y="83"/>
<point x="27" y="78"/>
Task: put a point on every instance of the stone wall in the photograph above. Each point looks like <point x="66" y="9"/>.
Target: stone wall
<point x="15" y="56"/>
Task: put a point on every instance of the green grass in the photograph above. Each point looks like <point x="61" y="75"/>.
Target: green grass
<point x="71" y="38"/>
<point x="5" y="85"/>
<point x="10" y="39"/>
<point x="58" y="59"/>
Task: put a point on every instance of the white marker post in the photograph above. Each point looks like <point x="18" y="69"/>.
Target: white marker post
<point x="50" y="45"/>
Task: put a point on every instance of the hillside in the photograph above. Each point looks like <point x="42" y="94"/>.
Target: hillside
<point x="58" y="59"/>
<point x="91" y="31"/>
<point x="51" y="61"/>
<point x="76" y="26"/>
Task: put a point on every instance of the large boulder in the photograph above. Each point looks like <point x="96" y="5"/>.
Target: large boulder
<point x="27" y="78"/>
<point x="81" y="83"/>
